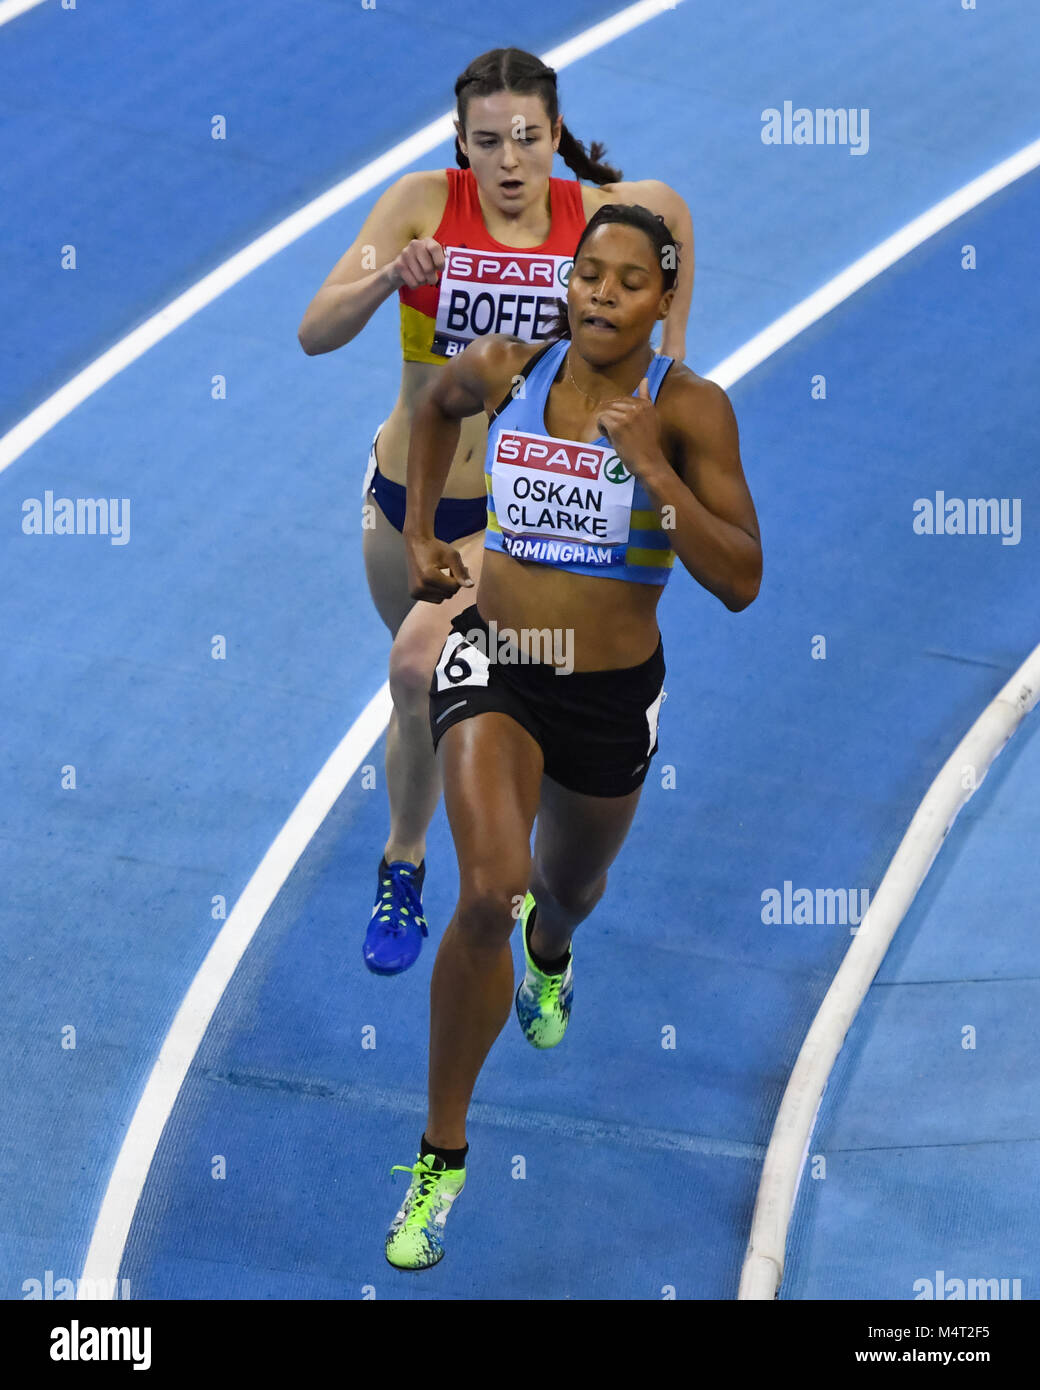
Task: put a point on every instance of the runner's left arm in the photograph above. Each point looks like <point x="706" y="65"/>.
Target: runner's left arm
<point x="686" y="453"/>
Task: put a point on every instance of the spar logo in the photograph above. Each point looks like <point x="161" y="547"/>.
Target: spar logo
<point x="494" y="292"/>
<point x="615" y="471"/>
<point x="515" y="271"/>
<point x="550" y="455"/>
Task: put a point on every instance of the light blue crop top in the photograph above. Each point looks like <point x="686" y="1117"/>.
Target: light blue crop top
<point x="573" y="506"/>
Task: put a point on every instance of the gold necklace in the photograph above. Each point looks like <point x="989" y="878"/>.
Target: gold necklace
<point x="592" y="403"/>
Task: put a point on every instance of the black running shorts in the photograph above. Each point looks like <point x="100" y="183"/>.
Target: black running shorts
<point x="597" y="729"/>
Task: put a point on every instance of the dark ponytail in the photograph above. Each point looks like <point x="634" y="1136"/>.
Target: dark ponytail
<point x="630" y="215"/>
<point x="586" y="163"/>
<point x="513" y="70"/>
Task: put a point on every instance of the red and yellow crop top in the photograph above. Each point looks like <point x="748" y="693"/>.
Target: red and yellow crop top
<point x="486" y="287"/>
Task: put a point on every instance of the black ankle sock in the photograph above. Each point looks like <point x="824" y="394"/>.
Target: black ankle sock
<point x="453" y="1158"/>
<point x="418" y="876"/>
<point x="547" y="967"/>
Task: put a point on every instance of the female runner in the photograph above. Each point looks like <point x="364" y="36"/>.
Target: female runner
<point x="479" y="249"/>
<point x="607" y="465"/>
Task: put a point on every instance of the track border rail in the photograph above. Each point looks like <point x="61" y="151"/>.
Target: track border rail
<point x="763" y="1267"/>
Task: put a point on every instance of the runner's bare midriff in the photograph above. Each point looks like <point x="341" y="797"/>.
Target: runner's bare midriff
<point x="466" y="478"/>
<point x="614" y="624"/>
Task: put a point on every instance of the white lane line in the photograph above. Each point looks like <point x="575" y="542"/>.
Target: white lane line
<point x="11" y="9"/>
<point x="199" y="1004"/>
<point x="789" y="1142"/>
<point x="868" y="267"/>
<point x="83" y="385"/>
<point x="192" y="1018"/>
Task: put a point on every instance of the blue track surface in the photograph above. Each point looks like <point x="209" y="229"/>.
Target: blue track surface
<point x="244" y="523"/>
<point x="931" y="1133"/>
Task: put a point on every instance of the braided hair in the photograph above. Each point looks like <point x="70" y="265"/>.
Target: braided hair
<point x="513" y="70"/>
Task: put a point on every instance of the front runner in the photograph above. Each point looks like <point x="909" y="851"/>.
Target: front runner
<point x="589" y="556"/>
<point x="485" y="248"/>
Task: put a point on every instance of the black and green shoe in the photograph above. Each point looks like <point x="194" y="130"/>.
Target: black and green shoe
<point x="416" y="1236"/>
<point x="543" y="1002"/>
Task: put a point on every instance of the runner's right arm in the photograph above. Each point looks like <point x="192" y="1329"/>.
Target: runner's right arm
<point x="387" y="253"/>
<point x="477" y="379"/>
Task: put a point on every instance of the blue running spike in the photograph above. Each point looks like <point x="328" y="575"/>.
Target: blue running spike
<point x="397" y="925"/>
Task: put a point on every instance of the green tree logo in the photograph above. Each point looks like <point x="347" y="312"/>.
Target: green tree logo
<point x="615" y="471"/>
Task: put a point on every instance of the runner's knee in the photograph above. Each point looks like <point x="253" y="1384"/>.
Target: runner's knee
<point x="568" y="898"/>
<point x="487" y="902"/>
<point x="412" y="660"/>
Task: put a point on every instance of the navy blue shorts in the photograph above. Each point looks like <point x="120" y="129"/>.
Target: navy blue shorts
<point x="597" y="729"/>
<point x="455" y="516"/>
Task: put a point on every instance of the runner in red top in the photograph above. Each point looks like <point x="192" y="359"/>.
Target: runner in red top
<point x="521" y="226"/>
<point x="484" y="285"/>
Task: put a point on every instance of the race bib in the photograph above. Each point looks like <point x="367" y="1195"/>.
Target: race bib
<point x="461" y="664"/>
<point x="497" y="292"/>
<point x="559" y="502"/>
